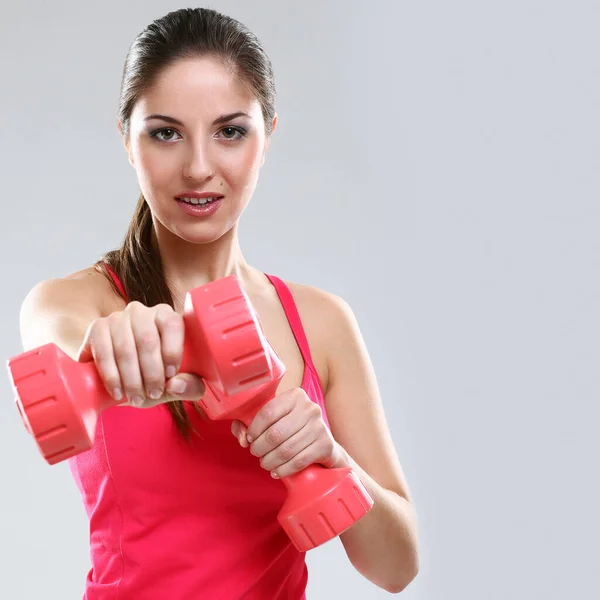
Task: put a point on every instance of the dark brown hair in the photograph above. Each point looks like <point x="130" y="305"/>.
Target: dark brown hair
<point x="185" y="33"/>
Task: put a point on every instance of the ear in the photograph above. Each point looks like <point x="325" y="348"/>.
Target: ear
<point x="274" y="124"/>
<point x="268" y="140"/>
<point x="125" y="143"/>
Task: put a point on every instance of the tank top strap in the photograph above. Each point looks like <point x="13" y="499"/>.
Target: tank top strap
<point x="293" y="316"/>
<point x="116" y="280"/>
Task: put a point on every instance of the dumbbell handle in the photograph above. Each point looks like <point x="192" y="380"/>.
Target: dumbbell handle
<point x="321" y="502"/>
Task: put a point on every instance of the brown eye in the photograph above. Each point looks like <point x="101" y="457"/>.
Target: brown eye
<point x="232" y="133"/>
<point x="164" y="135"/>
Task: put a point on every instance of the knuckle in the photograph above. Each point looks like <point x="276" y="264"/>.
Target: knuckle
<point x="286" y="452"/>
<point x="166" y="314"/>
<point x="173" y="315"/>
<point x="299" y="463"/>
<point x="314" y="410"/>
<point x="114" y="317"/>
<point x="134" y="306"/>
<point x="148" y="340"/>
<point x="124" y="352"/>
<point x="274" y="436"/>
<point x="267" y="414"/>
<point x="108" y="325"/>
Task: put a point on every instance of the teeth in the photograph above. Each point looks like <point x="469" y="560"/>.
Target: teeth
<point x="197" y="200"/>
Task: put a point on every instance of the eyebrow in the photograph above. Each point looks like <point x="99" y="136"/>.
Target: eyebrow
<point x="217" y="121"/>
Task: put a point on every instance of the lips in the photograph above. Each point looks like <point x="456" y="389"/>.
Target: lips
<point x="191" y="194"/>
<point x="200" y="208"/>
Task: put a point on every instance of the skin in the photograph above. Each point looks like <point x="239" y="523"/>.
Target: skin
<point x="138" y="349"/>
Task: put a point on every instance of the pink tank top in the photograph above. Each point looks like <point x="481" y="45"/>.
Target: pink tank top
<point x="181" y="520"/>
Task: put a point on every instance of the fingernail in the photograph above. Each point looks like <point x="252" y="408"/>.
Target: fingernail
<point x="274" y="475"/>
<point x="155" y="394"/>
<point x="170" y="371"/>
<point x="250" y="439"/>
<point x="137" y="401"/>
<point x="243" y="442"/>
<point x="178" y="386"/>
<point x="117" y="394"/>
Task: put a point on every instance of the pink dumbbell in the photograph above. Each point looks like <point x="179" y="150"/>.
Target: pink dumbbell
<point x="321" y="502"/>
<point x="59" y="399"/>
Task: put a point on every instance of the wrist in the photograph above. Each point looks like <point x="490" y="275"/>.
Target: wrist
<point x="342" y="458"/>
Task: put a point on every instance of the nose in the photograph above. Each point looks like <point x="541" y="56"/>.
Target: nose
<point x="198" y="163"/>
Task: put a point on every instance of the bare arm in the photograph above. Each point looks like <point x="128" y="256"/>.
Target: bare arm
<point x="59" y="311"/>
<point x="383" y="545"/>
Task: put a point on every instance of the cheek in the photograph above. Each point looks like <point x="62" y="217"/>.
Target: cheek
<point x="243" y="166"/>
<point x="153" y="166"/>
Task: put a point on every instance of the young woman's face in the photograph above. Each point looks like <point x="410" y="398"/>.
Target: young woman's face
<point x="209" y="140"/>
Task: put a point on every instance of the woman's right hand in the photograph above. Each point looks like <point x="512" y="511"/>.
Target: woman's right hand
<point x="138" y="352"/>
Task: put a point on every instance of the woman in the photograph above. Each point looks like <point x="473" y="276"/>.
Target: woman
<point x="182" y="507"/>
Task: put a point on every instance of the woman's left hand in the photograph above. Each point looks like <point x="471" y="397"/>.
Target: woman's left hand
<point x="288" y="434"/>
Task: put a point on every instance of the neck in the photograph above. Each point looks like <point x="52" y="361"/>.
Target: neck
<point x="187" y="266"/>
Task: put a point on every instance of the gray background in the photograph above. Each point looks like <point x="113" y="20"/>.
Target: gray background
<point x="436" y="164"/>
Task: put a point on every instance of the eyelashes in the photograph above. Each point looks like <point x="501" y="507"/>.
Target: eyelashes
<point x="236" y="130"/>
<point x="157" y="133"/>
<point x="238" y="133"/>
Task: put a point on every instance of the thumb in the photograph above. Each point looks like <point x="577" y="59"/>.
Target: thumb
<point x="185" y="385"/>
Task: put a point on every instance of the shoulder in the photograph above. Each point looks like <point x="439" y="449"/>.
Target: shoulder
<point x="329" y="322"/>
<point x="86" y="288"/>
<point x="97" y="284"/>
<point x="320" y="305"/>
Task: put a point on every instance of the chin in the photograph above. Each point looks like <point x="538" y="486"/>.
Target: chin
<point x="203" y="233"/>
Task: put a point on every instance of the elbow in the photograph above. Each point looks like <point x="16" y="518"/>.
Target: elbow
<point x="395" y="582"/>
<point x="396" y="588"/>
<point x="406" y="577"/>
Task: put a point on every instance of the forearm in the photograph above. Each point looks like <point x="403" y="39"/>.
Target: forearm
<point x="383" y="545"/>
